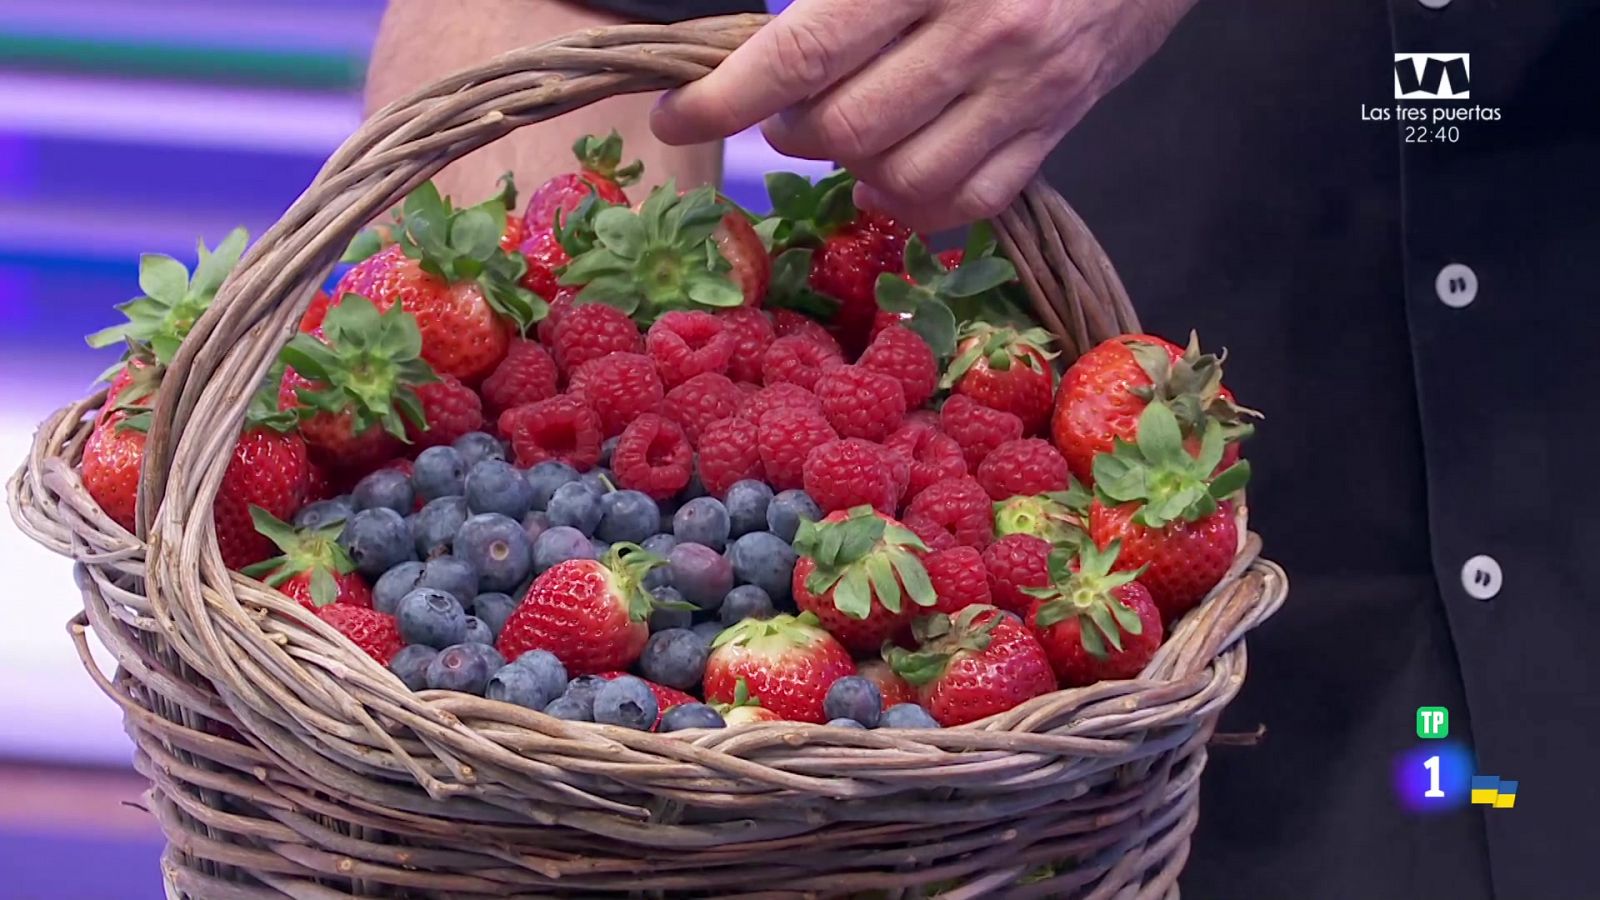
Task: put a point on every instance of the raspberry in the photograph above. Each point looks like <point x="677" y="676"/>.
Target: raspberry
<point x="885" y="320"/>
<point x="936" y="536"/>
<point x="899" y="470"/>
<point x="797" y="360"/>
<point x="686" y="343"/>
<point x="562" y="428"/>
<point x="450" y="408"/>
<point x="559" y="307"/>
<point x="526" y="375"/>
<point x="372" y="631"/>
<point x="933" y="455"/>
<point x="847" y="473"/>
<point x="788" y="323"/>
<point x="861" y="403"/>
<point x="959" y="577"/>
<point x="785" y="437"/>
<point x="928" y="417"/>
<point x="1024" y="467"/>
<point x="977" y="428"/>
<point x="728" y="453"/>
<point x="782" y="395"/>
<point x="1014" y="563"/>
<point x="590" y="331"/>
<point x="752" y="333"/>
<point x="961" y="507"/>
<point x="701" y="400"/>
<point x="653" y="456"/>
<point x="620" y="387"/>
<point x="903" y="355"/>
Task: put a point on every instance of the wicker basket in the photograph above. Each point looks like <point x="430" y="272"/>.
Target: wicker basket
<point x="285" y="762"/>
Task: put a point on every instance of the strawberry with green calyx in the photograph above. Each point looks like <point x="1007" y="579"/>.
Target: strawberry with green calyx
<point x="601" y="175"/>
<point x="786" y="662"/>
<point x="1005" y="368"/>
<point x="112" y="457"/>
<point x="976" y="664"/>
<point x="1056" y="517"/>
<point x="861" y="574"/>
<point x="1168" y="508"/>
<point x="1095" y="623"/>
<point x="744" y="709"/>
<point x="270" y="469"/>
<point x="172" y="299"/>
<point x="935" y="299"/>
<point x="312" y="567"/>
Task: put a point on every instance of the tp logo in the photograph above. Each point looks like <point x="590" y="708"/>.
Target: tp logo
<point x="1432" y="76"/>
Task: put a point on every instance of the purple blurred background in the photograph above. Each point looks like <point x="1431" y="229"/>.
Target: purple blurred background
<point x="130" y="126"/>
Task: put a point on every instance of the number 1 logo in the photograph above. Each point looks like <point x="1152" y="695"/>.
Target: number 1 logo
<point x="1432" y="765"/>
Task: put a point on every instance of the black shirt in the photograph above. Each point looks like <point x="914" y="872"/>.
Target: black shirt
<point x="1418" y="312"/>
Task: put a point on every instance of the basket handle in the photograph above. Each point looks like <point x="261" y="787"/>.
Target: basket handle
<point x="1075" y="291"/>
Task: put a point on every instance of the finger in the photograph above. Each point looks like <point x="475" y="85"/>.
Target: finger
<point x="811" y="45"/>
<point x="983" y="193"/>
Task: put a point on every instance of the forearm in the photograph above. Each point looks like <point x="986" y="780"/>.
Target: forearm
<point x="422" y="40"/>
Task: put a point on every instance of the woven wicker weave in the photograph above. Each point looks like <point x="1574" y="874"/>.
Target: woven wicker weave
<point x="285" y="762"/>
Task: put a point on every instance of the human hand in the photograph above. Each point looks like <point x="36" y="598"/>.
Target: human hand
<point x="944" y="109"/>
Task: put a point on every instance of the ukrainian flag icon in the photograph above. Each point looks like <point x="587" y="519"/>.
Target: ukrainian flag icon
<point x="1489" y="790"/>
<point x="1507" y="798"/>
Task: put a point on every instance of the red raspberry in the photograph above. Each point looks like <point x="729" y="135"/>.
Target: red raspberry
<point x="782" y="395"/>
<point x="961" y="507"/>
<point x="797" y="360"/>
<point x="526" y="375"/>
<point x="959" y="578"/>
<point x="450" y="408"/>
<point x="686" y="343"/>
<point x="563" y="428"/>
<point x="934" y="455"/>
<point x="653" y="456"/>
<point x="1014" y="563"/>
<point x="752" y="333"/>
<point x="590" y="331"/>
<point x="899" y="469"/>
<point x="1027" y="467"/>
<point x="885" y="320"/>
<point x="728" y="453"/>
<point x="559" y="307"/>
<point x="620" y="387"/>
<point x="936" y="536"/>
<point x="977" y="428"/>
<point x="787" y="323"/>
<point x="928" y="417"/>
<point x="861" y="403"/>
<point x="701" y="400"/>
<point x="785" y="437"/>
<point x="903" y="355"/>
<point x="844" y="474"/>
<point x="372" y="631"/>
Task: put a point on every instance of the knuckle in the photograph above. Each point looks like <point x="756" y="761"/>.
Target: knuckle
<point x="802" y="52"/>
<point x="1014" y="22"/>
<point x="982" y="198"/>
<point x="841" y="128"/>
<point x="907" y="179"/>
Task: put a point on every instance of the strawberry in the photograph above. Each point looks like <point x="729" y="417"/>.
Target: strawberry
<point x="592" y="614"/>
<point x="172" y="301"/>
<point x="1168" y="509"/>
<point x="976" y="664"/>
<point x="376" y="633"/>
<point x="856" y="570"/>
<point x="787" y="663"/>
<point x="112" y="457"/>
<point x="745" y="709"/>
<point x="269" y="470"/>
<point x="312" y="568"/>
<point x="1056" y="517"/>
<point x="1105" y="391"/>
<point x="601" y="175"/>
<point x="1006" y="369"/>
<point x="1094" y="624"/>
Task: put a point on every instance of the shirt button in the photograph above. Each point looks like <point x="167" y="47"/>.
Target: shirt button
<point x="1434" y="4"/>
<point x="1456" y="285"/>
<point x="1481" y="578"/>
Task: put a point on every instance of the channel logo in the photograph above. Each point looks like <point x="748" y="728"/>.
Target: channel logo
<point x="1432" y="76"/>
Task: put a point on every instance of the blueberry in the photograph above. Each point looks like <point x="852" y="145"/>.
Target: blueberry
<point x="493" y="609"/>
<point x="703" y="520"/>
<point x="709" y="630"/>
<point x="675" y="657"/>
<point x="432" y="617"/>
<point x="439" y="472"/>
<point x="558" y="545"/>
<point x="747" y="503"/>
<point x="478" y="632"/>
<point x="545" y="477"/>
<point x="455" y="577"/>
<point x="845" y="723"/>
<point x="535" y="679"/>
<point x="476" y="447"/>
<point x="763" y="559"/>
<point x="599" y="479"/>
<point x="628" y="702"/>
<point x="377" y="540"/>
<point x="535" y="524"/>
<point x="627" y="516"/>
<point x="659" y="544"/>
<point x="497" y="548"/>
<point x="599" y="548"/>
<point x="411" y="665"/>
<point x="464" y="667"/>
<point x="668" y="614"/>
<point x="581" y="692"/>
<point x="854" y="697"/>
<point x="570" y="709"/>
<point x="394" y="584"/>
<point x="747" y="601"/>
<point x="575" y="504"/>
<point x="787" y="509"/>
<point x="434" y="526"/>
<point x="691" y="715"/>
<point x="386" y="489"/>
<point x="608" y="449"/>
<point x="325" y="513"/>
<point x="701" y="574"/>
<point x="907" y="715"/>
<point x="496" y="486"/>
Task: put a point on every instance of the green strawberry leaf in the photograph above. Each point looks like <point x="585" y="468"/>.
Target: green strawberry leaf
<point x="853" y="594"/>
<point x="976" y="276"/>
<point x="881" y="572"/>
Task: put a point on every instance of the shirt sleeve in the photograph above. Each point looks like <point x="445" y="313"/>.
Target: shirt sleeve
<point x="675" y="10"/>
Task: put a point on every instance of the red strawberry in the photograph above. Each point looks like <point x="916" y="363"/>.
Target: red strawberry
<point x="1017" y="564"/>
<point x="1023" y="467"/>
<point x="686" y="343"/>
<point x="1183" y="560"/>
<point x="894" y="688"/>
<point x="959" y="506"/>
<point x="701" y="400"/>
<point x="592" y="614"/>
<point x="752" y="333"/>
<point x="1008" y="370"/>
<point x="653" y="456"/>
<point x="959" y="578"/>
<point x="861" y="403"/>
<point x="112" y="457"/>
<point x="666" y="697"/>
<point x="450" y="409"/>
<point x="1095" y="624"/>
<point x="592" y="330"/>
<point x="861" y="574"/>
<point x="563" y="428"/>
<point x="741" y="246"/>
<point x="933" y="456"/>
<point x="977" y="428"/>
<point x="1056" y="518"/>
<point x="843" y="474"/>
<point x="976" y="664"/>
<point x="269" y="470"/>
<point x="601" y="175"/>
<point x="313" y="568"/>
<point x="526" y="375"/>
<point x="545" y="257"/>
<point x="374" y="632"/>
<point x="619" y="387"/>
<point x="729" y="452"/>
<point x="312" y="318"/>
<point x="903" y="355"/>
<point x="787" y="663"/>
<point x="785" y="437"/>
